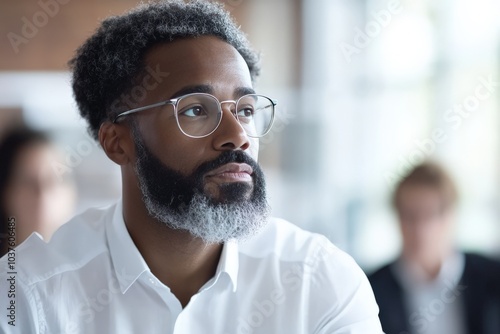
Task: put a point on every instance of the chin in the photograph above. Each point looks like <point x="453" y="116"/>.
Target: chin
<point x="234" y="192"/>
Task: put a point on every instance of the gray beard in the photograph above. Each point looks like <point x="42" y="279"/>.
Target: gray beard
<point x="213" y="223"/>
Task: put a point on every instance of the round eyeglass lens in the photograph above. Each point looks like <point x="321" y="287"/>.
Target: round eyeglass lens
<point x="198" y="114"/>
<point x="255" y="113"/>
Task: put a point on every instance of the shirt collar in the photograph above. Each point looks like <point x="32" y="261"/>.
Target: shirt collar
<point x="450" y="272"/>
<point x="229" y="262"/>
<point x="129" y="264"/>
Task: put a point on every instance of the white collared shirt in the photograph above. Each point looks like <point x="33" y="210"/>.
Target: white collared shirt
<point x="434" y="306"/>
<point x="90" y="278"/>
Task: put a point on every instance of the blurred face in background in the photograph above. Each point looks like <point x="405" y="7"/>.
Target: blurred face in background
<point x="38" y="199"/>
<point x="426" y="223"/>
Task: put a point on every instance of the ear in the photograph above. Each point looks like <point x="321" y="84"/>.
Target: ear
<point x="116" y="142"/>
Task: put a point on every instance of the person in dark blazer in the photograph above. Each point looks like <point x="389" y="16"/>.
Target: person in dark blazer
<point x="432" y="287"/>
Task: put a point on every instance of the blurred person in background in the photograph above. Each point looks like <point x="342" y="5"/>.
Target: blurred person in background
<point x="433" y="288"/>
<point x="33" y="197"/>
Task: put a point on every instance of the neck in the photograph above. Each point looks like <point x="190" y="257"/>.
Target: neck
<point x="179" y="260"/>
<point x="430" y="264"/>
<point x="431" y="267"/>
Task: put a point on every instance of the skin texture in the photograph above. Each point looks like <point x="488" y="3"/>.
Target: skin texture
<point x="426" y="227"/>
<point x="36" y="197"/>
<point x="189" y="62"/>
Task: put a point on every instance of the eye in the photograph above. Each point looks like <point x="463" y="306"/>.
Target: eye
<point x="194" y="111"/>
<point x="247" y="112"/>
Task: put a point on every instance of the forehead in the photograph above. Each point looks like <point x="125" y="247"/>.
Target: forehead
<point x="205" y="60"/>
<point x="420" y="195"/>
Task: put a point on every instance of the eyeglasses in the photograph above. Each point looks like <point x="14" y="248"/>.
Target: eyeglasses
<point x="198" y="115"/>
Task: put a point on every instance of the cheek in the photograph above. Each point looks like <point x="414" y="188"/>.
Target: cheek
<point x="186" y="158"/>
<point x="253" y="150"/>
<point x="173" y="148"/>
<point x="180" y="152"/>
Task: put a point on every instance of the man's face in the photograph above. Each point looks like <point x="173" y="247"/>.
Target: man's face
<point x="210" y="186"/>
<point x="426" y="222"/>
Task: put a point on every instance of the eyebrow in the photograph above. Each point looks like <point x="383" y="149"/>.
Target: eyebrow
<point x="207" y="89"/>
<point x="240" y="91"/>
<point x="193" y="89"/>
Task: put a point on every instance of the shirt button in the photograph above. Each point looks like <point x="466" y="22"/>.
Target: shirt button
<point x="152" y="281"/>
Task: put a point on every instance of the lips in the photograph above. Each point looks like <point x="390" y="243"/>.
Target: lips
<point x="233" y="167"/>
<point x="236" y="171"/>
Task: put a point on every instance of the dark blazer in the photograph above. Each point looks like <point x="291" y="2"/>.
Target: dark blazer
<point x="480" y="297"/>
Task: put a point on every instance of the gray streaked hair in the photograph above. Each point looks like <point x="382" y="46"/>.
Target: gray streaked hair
<point x="111" y="60"/>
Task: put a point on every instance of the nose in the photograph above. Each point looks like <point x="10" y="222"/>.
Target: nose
<point x="230" y="135"/>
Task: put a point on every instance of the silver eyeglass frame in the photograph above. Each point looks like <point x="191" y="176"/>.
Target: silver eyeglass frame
<point x="175" y="102"/>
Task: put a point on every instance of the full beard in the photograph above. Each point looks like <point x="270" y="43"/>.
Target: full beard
<point x="180" y="202"/>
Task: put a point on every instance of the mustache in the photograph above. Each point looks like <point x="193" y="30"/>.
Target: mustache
<point x="225" y="158"/>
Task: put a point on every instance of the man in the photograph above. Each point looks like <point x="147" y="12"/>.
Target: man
<point x="433" y="287"/>
<point x="27" y="180"/>
<point x="167" y="91"/>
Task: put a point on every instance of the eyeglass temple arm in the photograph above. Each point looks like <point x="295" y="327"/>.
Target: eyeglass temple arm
<point x="133" y="111"/>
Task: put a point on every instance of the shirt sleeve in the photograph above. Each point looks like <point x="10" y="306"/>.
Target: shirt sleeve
<point x="342" y="300"/>
<point x="17" y="304"/>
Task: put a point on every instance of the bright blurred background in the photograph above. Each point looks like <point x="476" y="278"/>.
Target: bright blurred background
<point x="366" y="90"/>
